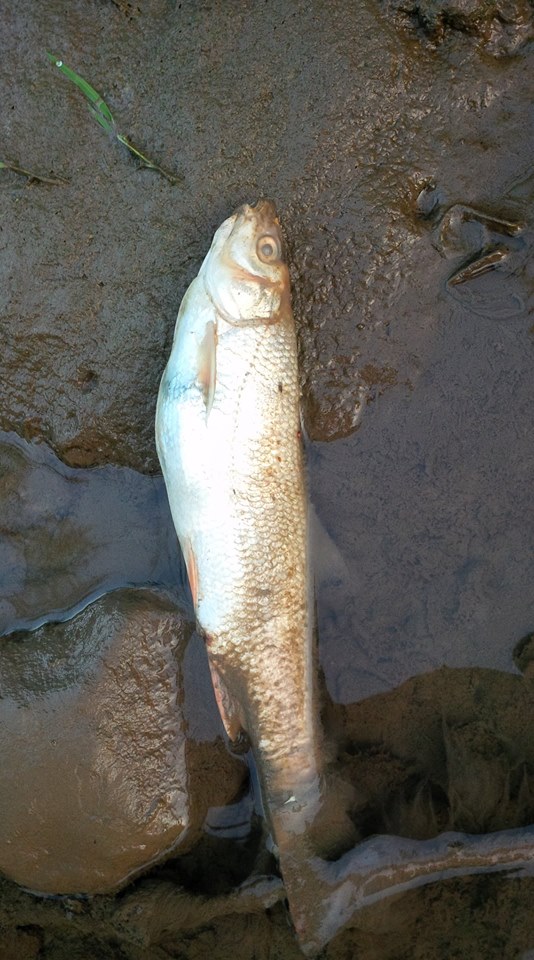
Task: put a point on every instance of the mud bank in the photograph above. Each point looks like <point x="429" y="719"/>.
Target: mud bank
<point x="395" y="141"/>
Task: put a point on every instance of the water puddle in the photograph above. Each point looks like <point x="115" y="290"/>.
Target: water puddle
<point x="430" y="504"/>
<point x="68" y="536"/>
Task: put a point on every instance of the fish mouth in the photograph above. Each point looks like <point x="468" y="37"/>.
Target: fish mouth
<point x="265" y="207"/>
<point x="263" y="211"/>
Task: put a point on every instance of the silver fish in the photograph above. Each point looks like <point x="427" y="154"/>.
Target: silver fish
<point x="228" y="439"/>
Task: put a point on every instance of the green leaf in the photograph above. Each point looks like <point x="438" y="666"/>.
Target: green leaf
<point x="97" y="104"/>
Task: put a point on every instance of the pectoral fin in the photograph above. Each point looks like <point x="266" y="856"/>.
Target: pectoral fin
<point x="207" y="365"/>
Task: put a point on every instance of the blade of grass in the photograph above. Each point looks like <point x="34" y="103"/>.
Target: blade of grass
<point x="14" y="167"/>
<point x="97" y="104"/>
<point x="150" y="164"/>
<point x="103" y="115"/>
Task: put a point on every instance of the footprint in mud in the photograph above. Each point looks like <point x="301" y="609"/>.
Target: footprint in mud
<point x="69" y="535"/>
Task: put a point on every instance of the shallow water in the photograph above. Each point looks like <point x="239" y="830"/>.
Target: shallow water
<point x="71" y="535"/>
<point x="416" y="546"/>
<point x="435" y="521"/>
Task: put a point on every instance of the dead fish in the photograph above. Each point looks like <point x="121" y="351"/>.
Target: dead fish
<point x="228" y="439"/>
<point x="229" y="442"/>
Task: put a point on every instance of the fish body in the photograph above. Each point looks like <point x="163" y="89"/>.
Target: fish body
<point x="228" y="439"/>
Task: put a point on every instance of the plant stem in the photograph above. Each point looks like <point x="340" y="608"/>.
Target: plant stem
<point x="171" y="177"/>
<point x="7" y="165"/>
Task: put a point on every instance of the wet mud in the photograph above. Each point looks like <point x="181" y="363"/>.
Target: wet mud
<point x="395" y="141"/>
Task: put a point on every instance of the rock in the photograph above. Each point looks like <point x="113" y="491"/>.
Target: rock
<point x="92" y="746"/>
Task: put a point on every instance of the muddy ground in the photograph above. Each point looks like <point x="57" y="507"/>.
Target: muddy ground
<point x="395" y="140"/>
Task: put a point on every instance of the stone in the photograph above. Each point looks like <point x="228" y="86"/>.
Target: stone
<point x="92" y="746"/>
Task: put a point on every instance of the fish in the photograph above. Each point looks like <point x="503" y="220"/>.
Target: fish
<point x="228" y="436"/>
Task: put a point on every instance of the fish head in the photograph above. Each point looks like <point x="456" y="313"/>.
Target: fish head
<point x="244" y="272"/>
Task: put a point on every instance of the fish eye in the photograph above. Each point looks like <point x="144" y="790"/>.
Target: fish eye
<point x="268" y="249"/>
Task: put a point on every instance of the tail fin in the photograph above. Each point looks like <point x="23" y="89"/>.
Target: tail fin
<point x="325" y="896"/>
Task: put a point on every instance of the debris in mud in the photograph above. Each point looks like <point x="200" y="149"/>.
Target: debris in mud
<point x="464" y="229"/>
<point x="480" y="265"/>
<point x="472" y="237"/>
<point x="472" y="234"/>
<point x="31" y="175"/>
